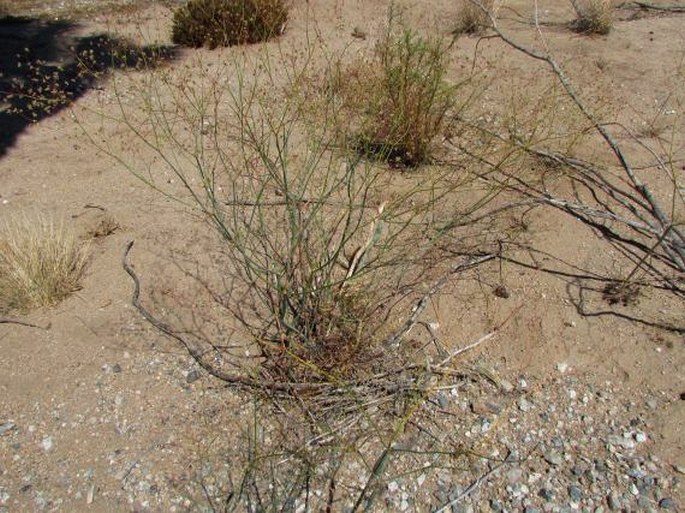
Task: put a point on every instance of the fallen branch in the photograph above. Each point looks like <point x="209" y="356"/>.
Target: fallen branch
<point x="662" y="8"/>
<point x="9" y="320"/>
<point x="394" y="340"/>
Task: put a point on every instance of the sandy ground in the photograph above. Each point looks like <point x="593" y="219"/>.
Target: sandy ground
<point x="107" y="415"/>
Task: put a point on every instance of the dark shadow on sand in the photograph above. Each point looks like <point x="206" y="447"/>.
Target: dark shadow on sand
<point x="45" y="67"/>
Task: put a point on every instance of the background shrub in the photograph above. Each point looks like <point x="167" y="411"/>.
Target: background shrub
<point x="396" y="102"/>
<point x="474" y="18"/>
<point x="228" y="22"/>
<point x="593" y="16"/>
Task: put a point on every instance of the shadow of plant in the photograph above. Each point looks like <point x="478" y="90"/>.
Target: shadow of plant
<point x="44" y="67"/>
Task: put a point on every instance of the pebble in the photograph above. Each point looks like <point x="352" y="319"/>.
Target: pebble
<point x="546" y="493"/>
<point x="614" y="502"/>
<point x="666" y="503"/>
<point x="116" y="368"/>
<point x="554" y="458"/>
<point x="575" y="493"/>
<point x="46" y="443"/>
<point x="514" y="475"/>
<point x="523" y="404"/>
<point x="6" y="427"/>
<point x="562" y="367"/>
<point x="193" y="376"/>
<point x="506" y="386"/>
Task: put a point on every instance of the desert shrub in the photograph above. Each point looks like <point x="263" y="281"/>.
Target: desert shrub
<point x="41" y="262"/>
<point x="228" y="22"/>
<point x="593" y="16"/>
<point x="473" y="17"/>
<point x="395" y="104"/>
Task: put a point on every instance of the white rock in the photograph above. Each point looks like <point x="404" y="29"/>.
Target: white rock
<point x="46" y="443"/>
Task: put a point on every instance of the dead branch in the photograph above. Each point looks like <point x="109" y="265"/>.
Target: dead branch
<point x="651" y="7"/>
<point x="394" y="340"/>
<point x="671" y="237"/>
<point x="9" y="320"/>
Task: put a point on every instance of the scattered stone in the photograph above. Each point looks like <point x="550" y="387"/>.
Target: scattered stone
<point x="496" y="505"/>
<point x="575" y="493"/>
<point x="46" y="443"/>
<point x="621" y="441"/>
<point x="90" y="496"/>
<point x="614" y="502"/>
<point x="554" y="458"/>
<point x="358" y="33"/>
<point x="506" y="386"/>
<point x="480" y="407"/>
<point x="523" y="404"/>
<point x="666" y="503"/>
<point x="546" y="493"/>
<point x="193" y="376"/>
<point x="6" y="427"/>
<point x="514" y="475"/>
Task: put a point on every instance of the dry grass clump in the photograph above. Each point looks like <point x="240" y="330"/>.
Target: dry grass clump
<point x="41" y="262"/>
<point x="474" y="18"/>
<point x="593" y="16"/>
<point x="395" y="103"/>
<point x="228" y="22"/>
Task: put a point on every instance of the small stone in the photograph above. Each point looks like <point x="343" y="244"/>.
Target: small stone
<point x="506" y="386"/>
<point x="530" y="509"/>
<point x="666" y="503"/>
<point x="6" y="427"/>
<point x="496" y="505"/>
<point x="193" y="376"/>
<point x="652" y="404"/>
<point x="640" y="437"/>
<point x="621" y="441"/>
<point x="614" y="502"/>
<point x="393" y="486"/>
<point x="679" y="469"/>
<point x="358" y="33"/>
<point x="562" y="367"/>
<point x="480" y="407"/>
<point x="116" y="368"/>
<point x="514" y="475"/>
<point x="523" y="404"/>
<point x="443" y="401"/>
<point x="633" y="489"/>
<point x="46" y="443"/>
<point x="554" y="458"/>
<point x="90" y="496"/>
<point x="546" y="494"/>
<point x="575" y="493"/>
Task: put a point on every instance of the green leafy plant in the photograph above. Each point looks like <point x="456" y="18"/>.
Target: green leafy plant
<point x="228" y="22"/>
<point x="397" y="100"/>
<point x="41" y="262"/>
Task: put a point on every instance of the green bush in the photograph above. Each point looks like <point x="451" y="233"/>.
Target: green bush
<point x="228" y="22"/>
